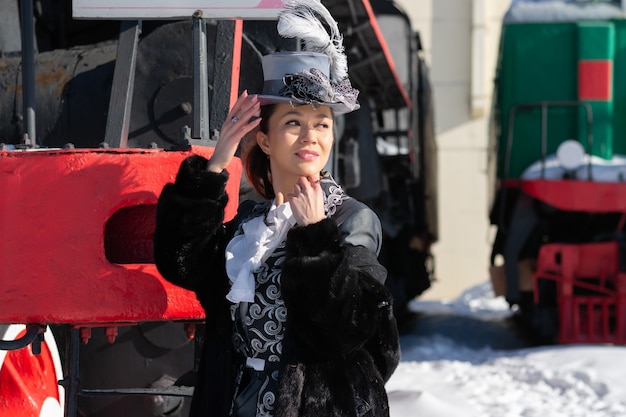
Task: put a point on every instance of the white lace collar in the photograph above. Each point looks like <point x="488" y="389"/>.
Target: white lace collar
<point x="246" y="252"/>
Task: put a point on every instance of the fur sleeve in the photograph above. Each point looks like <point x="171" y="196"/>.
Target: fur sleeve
<point x="333" y="291"/>
<point x="189" y="235"/>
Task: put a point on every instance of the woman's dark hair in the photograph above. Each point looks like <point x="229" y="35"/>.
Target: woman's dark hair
<point x="256" y="163"/>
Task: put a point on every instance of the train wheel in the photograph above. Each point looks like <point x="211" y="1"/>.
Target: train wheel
<point x="30" y="382"/>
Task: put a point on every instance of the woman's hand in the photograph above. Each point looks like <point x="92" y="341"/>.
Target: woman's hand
<point x="235" y="128"/>
<point x="306" y="201"/>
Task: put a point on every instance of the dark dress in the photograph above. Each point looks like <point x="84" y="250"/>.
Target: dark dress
<point x="321" y="324"/>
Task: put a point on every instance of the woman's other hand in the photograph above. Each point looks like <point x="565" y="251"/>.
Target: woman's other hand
<point x="306" y="201"/>
<point x="239" y="122"/>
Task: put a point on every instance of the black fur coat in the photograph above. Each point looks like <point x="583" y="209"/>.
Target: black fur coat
<point x="341" y="342"/>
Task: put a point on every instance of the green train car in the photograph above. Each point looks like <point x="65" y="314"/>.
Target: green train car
<point x="557" y="169"/>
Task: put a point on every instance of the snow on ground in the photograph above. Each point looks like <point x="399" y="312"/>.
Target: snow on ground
<point x="438" y="377"/>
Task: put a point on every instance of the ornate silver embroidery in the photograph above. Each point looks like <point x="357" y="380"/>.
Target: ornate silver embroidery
<point x="265" y="407"/>
<point x="333" y="194"/>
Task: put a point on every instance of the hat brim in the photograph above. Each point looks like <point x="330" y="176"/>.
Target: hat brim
<point x="337" y="108"/>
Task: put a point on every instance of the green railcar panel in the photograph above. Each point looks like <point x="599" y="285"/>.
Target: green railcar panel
<point x="558" y="63"/>
<point x="537" y="62"/>
<point x="596" y="40"/>
<point x="619" y="89"/>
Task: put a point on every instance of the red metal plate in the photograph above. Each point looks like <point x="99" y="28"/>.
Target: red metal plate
<point x="584" y="196"/>
<point x="56" y="208"/>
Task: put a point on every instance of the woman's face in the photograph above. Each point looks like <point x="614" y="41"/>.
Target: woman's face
<point x="298" y="141"/>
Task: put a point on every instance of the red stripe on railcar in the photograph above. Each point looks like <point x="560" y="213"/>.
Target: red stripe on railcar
<point x="595" y="80"/>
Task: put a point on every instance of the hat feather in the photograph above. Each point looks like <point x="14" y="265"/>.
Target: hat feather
<point x="311" y="22"/>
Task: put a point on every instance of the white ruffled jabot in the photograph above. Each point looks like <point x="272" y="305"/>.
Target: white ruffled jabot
<point x="247" y="251"/>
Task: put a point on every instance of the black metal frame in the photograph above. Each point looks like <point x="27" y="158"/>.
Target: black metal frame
<point x="516" y="233"/>
<point x="73" y="389"/>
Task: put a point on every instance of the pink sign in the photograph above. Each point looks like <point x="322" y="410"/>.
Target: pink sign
<point x="169" y="9"/>
<point x="271" y="4"/>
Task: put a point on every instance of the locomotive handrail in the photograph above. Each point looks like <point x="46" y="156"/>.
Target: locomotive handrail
<point x="32" y="333"/>
<point x="172" y="391"/>
<point x="580" y="284"/>
<point x="544" y="140"/>
<point x="544" y="129"/>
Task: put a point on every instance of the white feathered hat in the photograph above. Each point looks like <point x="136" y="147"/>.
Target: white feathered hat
<point x="316" y="75"/>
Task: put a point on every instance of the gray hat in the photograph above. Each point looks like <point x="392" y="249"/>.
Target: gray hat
<point x="303" y="78"/>
<point x="317" y="75"/>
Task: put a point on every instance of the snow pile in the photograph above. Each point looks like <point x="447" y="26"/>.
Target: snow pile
<point x="477" y="302"/>
<point x="439" y="377"/>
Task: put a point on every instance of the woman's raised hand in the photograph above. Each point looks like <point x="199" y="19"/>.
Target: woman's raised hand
<point x="306" y="201"/>
<point x="237" y="125"/>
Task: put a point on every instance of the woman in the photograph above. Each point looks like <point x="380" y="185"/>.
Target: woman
<point x="299" y="322"/>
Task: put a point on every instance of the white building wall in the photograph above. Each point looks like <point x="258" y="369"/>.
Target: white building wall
<point x="458" y="36"/>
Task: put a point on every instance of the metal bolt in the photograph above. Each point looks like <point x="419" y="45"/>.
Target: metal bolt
<point x="85" y="334"/>
<point x="190" y="329"/>
<point x="186" y="107"/>
<point x="111" y="333"/>
<point x="186" y="132"/>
